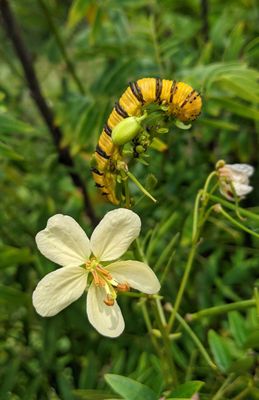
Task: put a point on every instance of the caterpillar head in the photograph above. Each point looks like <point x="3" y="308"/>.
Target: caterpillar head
<point x="185" y="102"/>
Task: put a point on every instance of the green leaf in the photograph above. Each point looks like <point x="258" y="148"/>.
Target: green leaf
<point x="10" y="124"/>
<point x="6" y="151"/>
<point x="237" y="327"/>
<point x="94" y="395"/>
<point x="77" y="12"/>
<point x="219" y="350"/>
<point x="238" y="108"/>
<point x="129" y="389"/>
<point x="187" y="390"/>
<point x="12" y="255"/>
<point x="12" y="297"/>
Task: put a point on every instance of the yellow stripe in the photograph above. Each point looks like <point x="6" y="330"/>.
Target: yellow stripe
<point x="148" y="89"/>
<point x="130" y="103"/>
<point x="114" y="119"/>
<point x="166" y="90"/>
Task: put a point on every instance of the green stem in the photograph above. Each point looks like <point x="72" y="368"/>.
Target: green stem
<point x="227" y="204"/>
<point x="220" y="392"/>
<point x="134" y="179"/>
<point x="196" y="340"/>
<point x="207" y="183"/>
<point x="63" y="51"/>
<point x="208" y="312"/>
<point x="127" y="193"/>
<point x="243" y="394"/>
<point x="182" y="287"/>
<point x="218" y="208"/>
<point x="172" y="378"/>
<point x="196" y="214"/>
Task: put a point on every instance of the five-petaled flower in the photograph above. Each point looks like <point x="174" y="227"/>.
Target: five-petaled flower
<point x="234" y="180"/>
<point x="84" y="264"/>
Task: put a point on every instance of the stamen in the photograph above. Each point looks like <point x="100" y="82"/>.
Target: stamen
<point x="98" y="280"/>
<point x="109" y="301"/>
<point x="123" y="287"/>
<point x="104" y="271"/>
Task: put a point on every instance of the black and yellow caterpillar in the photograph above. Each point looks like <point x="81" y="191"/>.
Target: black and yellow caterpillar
<point x="182" y="101"/>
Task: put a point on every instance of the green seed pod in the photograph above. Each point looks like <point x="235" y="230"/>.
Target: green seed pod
<point x="126" y="130"/>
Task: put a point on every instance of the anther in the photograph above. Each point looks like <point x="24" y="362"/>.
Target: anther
<point x="123" y="287"/>
<point x="109" y="301"/>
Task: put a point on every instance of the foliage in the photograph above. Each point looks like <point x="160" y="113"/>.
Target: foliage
<point x="85" y="52"/>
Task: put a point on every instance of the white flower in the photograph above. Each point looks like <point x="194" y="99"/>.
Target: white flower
<point x="64" y="242"/>
<point x="234" y="180"/>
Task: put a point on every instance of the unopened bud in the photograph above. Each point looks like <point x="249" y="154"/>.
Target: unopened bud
<point x="126" y="130"/>
<point x="220" y="164"/>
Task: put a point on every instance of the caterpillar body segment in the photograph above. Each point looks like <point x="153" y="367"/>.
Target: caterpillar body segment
<point x="182" y="102"/>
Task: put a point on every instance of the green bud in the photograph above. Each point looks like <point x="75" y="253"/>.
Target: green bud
<point x="140" y="149"/>
<point x="126" y="130"/>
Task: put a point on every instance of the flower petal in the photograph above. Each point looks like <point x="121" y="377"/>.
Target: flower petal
<point x="107" y="320"/>
<point x="246" y="169"/>
<point x="58" y="289"/>
<point x="114" y="234"/>
<point x="63" y="241"/>
<point x="241" y="189"/>
<point x="137" y="274"/>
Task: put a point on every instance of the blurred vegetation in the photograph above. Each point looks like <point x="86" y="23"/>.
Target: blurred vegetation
<point x="84" y="53"/>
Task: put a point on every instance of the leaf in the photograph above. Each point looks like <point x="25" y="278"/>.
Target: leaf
<point x="129" y="389"/>
<point x="219" y="350"/>
<point x="237" y="327"/>
<point x="77" y="12"/>
<point x="186" y="390"/>
<point x="93" y="395"/>
<point x="12" y="297"/>
<point x="238" y="108"/>
<point x="12" y="255"/>
<point x="6" y="151"/>
<point x="9" y="124"/>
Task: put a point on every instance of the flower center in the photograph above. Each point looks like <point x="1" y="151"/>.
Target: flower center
<point x="103" y="278"/>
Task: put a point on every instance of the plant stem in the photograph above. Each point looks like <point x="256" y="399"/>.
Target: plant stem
<point x="195" y="339"/>
<point x="227" y="204"/>
<point x="182" y="287"/>
<point x="172" y="378"/>
<point x="141" y="187"/>
<point x="208" y="312"/>
<point x="220" y="392"/>
<point x="220" y="209"/>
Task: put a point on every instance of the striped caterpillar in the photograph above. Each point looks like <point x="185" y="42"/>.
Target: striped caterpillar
<point x="181" y="102"/>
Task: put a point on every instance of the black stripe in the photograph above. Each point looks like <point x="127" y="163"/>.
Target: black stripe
<point x="96" y="171"/>
<point x="137" y="91"/>
<point x="105" y="193"/>
<point x="107" y="129"/>
<point x="159" y="86"/>
<point x="98" y="185"/>
<point x="120" y="110"/>
<point x="173" y="90"/>
<point x="101" y="152"/>
<point x="187" y="98"/>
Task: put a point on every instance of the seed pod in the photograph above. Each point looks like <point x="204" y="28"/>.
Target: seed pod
<point x="126" y="130"/>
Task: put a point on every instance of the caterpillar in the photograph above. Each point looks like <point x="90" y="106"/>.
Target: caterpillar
<point x="182" y="101"/>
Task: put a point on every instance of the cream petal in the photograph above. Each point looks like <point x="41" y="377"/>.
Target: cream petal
<point x="241" y="189"/>
<point x="107" y="320"/>
<point x="58" y="289"/>
<point x="137" y="274"/>
<point x="114" y="234"/>
<point x="63" y="241"/>
<point x="246" y="169"/>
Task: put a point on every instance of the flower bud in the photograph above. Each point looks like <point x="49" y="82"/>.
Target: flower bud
<point x="126" y="130"/>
